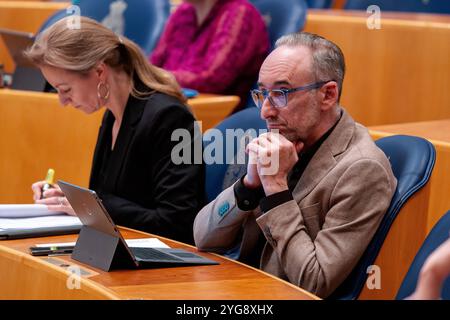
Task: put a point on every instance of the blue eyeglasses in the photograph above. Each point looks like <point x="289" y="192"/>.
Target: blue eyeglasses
<point x="279" y="97"/>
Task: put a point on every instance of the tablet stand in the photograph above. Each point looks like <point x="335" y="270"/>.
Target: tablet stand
<point x="101" y="250"/>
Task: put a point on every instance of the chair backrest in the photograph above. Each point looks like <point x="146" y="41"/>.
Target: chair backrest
<point x="58" y="15"/>
<point x="319" y="4"/>
<point x="435" y="238"/>
<point x="282" y="17"/>
<point x="246" y="119"/>
<point x="142" y="21"/>
<point x="412" y="160"/>
<point x="429" y="6"/>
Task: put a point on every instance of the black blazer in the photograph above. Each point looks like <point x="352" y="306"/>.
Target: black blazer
<point x="139" y="184"/>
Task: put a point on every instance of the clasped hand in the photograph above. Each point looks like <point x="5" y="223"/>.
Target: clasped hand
<point x="271" y="158"/>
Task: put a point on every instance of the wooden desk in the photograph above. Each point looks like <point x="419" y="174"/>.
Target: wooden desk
<point x="36" y="133"/>
<point x="390" y="15"/>
<point x="397" y="74"/>
<point x="26" y="277"/>
<point x="438" y="133"/>
<point x="210" y="109"/>
<point x="24" y="16"/>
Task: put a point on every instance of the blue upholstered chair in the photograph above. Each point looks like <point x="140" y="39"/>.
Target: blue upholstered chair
<point x="217" y="175"/>
<point x="282" y="17"/>
<point x="438" y="235"/>
<point x="412" y="160"/>
<point x="319" y="4"/>
<point x="144" y="20"/>
<point x="58" y="15"/>
<point x="429" y="6"/>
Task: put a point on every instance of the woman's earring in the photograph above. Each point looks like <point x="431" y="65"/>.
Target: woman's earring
<point x="103" y="91"/>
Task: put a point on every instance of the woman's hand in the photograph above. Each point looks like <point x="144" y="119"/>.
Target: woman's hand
<point x="53" y="198"/>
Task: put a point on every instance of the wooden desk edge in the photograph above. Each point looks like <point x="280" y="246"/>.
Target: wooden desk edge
<point x="380" y="134"/>
<point x="316" y="15"/>
<point x="34" y="5"/>
<point x="57" y="271"/>
<point x="97" y="289"/>
<point x="205" y="100"/>
<point x="201" y="100"/>
<point x="303" y="291"/>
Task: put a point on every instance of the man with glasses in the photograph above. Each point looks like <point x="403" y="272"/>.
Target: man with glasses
<point x="310" y="220"/>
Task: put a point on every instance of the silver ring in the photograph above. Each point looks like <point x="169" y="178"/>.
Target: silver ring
<point x="61" y="201"/>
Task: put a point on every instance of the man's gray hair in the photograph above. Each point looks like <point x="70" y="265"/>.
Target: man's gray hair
<point x="328" y="59"/>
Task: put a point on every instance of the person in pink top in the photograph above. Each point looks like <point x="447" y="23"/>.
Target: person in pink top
<point x="214" y="46"/>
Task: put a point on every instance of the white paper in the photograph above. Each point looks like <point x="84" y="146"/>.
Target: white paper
<point x="57" y="244"/>
<point x="146" y="243"/>
<point x="39" y="222"/>
<point x="133" y="243"/>
<point x="25" y="211"/>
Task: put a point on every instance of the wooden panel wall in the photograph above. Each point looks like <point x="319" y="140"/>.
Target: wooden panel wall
<point x="399" y="73"/>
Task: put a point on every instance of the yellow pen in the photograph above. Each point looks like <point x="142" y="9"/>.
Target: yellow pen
<point x="49" y="179"/>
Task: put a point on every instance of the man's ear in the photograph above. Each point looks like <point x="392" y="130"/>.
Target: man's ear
<point x="329" y="94"/>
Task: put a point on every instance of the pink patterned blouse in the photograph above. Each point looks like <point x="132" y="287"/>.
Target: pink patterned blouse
<point x="222" y="55"/>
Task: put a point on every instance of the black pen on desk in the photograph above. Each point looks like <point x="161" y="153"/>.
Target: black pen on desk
<point x="49" y="178"/>
<point x="51" y="251"/>
<point x="60" y="253"/>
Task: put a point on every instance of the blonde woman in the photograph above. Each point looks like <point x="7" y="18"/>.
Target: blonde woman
<point x="132" y="170"/>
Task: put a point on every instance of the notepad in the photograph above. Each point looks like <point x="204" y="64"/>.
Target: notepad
<point x="34" y="220"/>
<point x="39" y="222"/>
<point x="25" y="211"/>
<point x="132" y="243"/>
